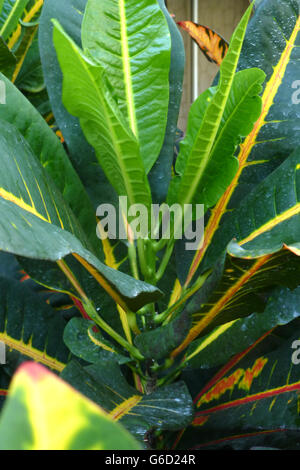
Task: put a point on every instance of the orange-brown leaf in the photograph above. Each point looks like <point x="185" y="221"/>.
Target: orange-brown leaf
<point x="213" y="46"/>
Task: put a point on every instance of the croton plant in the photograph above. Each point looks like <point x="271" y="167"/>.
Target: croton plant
<point x="137" y="342"/>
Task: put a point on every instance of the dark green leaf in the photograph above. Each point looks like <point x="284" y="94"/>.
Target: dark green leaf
<point x="160" y="175"/>
<point x="7" y="59"/>
<point x="232" y="338"/>
<point x="30" y="326"/>
<point x="86" y="342"/>
<point x="33" y="227"/>
<point x="158" y="343"/>
<point x="50" y="152"/>
<point x="168" y="407"/>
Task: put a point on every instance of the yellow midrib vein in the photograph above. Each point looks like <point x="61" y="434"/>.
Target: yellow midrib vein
<point x="127" y="69"/>
<point x="124" y="408"/>
<point x="20" y="203"/>
<point x="29" y="351"/>
<point x="272" y="223"/>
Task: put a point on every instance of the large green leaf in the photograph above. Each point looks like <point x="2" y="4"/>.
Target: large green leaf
<point x="37" y="223"/>
<point x="206" y="162"/>
<point x="131" y="41"/>
<point x="34" y="419"/>
<point x="168" y="407"/>
<point x="88" y="97"/>
<point x="241" y="111"/>
<point x="47" y="148"/>
<point x="69" y="13"/>
<point x="271" y="43"/>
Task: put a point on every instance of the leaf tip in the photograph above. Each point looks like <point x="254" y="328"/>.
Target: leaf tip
<point x="33" y="370"/>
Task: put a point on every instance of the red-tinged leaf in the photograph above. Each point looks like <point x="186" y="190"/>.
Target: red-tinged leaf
<point x="213" y="46"/>
<point x="252" y="401"/>
<point x="4" y="384"/>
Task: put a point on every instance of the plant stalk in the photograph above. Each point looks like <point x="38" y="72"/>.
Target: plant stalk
<point x="93" y="314"/>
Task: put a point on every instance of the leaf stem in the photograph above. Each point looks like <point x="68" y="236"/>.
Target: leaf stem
<point x="186" y="294"/>
<point x="158" y="246"/>
<point x="93" y="314"/>
<point x="170" y="377"/>
<point x="165" y="260"/>
<point x="133" y="260"/>
<point x="68" y="273"/>
<point x="146" y="259"/>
